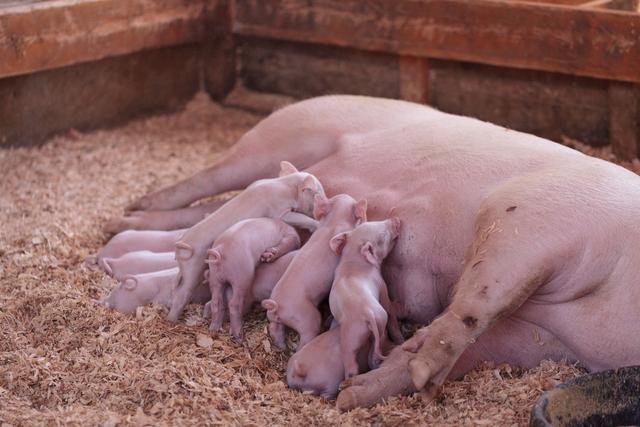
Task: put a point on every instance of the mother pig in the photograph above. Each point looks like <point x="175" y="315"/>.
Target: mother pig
<point x="514" y="249"/>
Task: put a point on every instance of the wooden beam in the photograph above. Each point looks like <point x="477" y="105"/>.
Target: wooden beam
<point x="624" y="120"/>
<point x="302" y="70"/>
<point x="414" y="79"/>
<point x="631" y="5"/>
<point x="595" y="3"/>
<point x="53" y="34"/>
<point x="97" y="94"/>
<point x="539" y="36"/>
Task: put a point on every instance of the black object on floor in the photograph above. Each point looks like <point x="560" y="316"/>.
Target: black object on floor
<point x="608" y="398"/>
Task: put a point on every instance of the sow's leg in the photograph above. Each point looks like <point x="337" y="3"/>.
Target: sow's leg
<point x="256" y="155"/>
<point x="162" y="220"/>
<point x="511" y="257"/>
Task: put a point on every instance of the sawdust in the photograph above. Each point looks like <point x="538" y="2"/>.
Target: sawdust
<point x="65" y="361"/>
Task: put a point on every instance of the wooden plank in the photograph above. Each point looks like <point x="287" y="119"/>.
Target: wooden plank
<point x="539" y="36"/>
<point x="301" y="70"/>
<point x="624" y="105"/>
<point x="414" y="79"/>
<point x="550" y="105"/>
<point x="631" y="5"/>
<point x="56" y="33"/>
<point x="97" y="94"/>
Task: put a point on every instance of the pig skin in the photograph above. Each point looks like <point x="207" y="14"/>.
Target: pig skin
<point x="514" y="248"/>
<point x="308" y="279"/>
<point x="233" y="260"/>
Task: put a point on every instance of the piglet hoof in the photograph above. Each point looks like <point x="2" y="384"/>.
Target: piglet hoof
<point x="216" y="321"/>
<point x="280" y="344"/>
<point x="269" y="255"/>
<point x="184" y="251"/>
<point x="206" y="311"/>
<point x="129" y="282"/>
<point x="91" y="262"/>
<point x="238" y="336"/>
<point x="392" y="378"/>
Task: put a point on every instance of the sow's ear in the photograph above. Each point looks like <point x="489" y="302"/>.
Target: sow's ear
<point x="287" y="168"/>
<point x="360" y="211"/>
<point x="369" y="254"/>
<point x="321" y="206"/>
<point x="337" y="243"/>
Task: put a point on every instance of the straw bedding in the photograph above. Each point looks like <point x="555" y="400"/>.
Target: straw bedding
<point x="64" y="360"/>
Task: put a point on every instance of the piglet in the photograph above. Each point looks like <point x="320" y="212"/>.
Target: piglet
<point x="292" y="193"/>
<point x="318" y="366"/>
<point x="139" y="262"/>
<point x="134" y="240"/>
<point x="138" y="290"/>
<point x="359" y="299"/>
<point x="233" y="259"/>
<point x="307" y="281"/>
<point x="267" y="275"/>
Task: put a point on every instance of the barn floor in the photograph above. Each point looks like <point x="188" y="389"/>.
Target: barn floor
<point x="65" y="361"/>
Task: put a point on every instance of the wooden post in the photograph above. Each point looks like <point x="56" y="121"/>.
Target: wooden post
<point x="624" y="119"/>
<point x="219" y="50"/>
<point x="414" y="79"/>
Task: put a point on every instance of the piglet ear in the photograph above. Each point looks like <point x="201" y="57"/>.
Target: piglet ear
<point x="309" y="184"/>
<point x="129" y="282"/>
<point x="369" y="254"/>
<point x="360" y="211"/>
<point x="298" y="369"/>
<point x="321" y="206"/>
<point x="337" y="243"/>
<point x="287" y="168"/>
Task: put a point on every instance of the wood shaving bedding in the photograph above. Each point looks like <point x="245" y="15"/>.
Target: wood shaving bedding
<point x="64" y="360"/>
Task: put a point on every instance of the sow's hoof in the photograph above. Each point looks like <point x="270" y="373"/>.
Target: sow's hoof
<point x="608" y="398"/>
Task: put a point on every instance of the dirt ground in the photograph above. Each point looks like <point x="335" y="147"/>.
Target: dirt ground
<point x="63" y="360"/>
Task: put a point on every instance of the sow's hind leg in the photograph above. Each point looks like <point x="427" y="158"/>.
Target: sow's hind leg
<point x="256" y="155"/>
<point x="162" y="220"/>
<point x="511" y="256"/>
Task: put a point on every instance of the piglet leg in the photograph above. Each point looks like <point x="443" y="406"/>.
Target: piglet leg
<point x="241" y="289"/>
<point x="287" y="244"/>
<point x="298" y="220"/>
<point x="277" y="333"/>
<point x="353" y="337"/>
<point x="392" y="322"/>
<point x="309" y="325"/>
<point x="217" y="305"/>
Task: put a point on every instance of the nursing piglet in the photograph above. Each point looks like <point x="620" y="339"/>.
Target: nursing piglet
<point x="359" y="299"/>
<point x="267" y="275"/>
<point x="233" y="260"/>
<point x="318" y="366"/>
<point x="139" y="262"/>
<point x="134" y="240"/>
<point x="307" y="281"/>
<point x="138" y="290"/>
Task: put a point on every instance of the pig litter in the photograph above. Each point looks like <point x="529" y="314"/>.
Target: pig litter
<point x="63" y="360"/>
